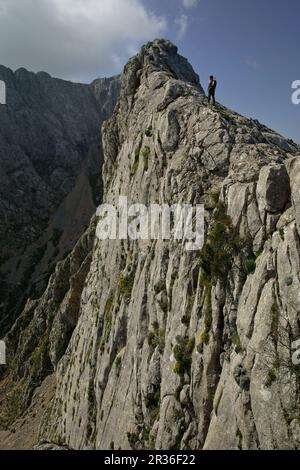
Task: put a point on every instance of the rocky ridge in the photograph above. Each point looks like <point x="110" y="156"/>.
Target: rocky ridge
<point x="157" y="347"/>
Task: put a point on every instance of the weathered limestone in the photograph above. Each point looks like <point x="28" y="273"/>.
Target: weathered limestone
<point x="170" y="351"/>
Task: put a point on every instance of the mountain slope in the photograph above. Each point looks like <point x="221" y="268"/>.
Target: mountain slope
<point x="50" y="153"/>
<point x="175" y="349"/>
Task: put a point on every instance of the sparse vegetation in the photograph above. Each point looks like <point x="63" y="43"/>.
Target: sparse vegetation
<point x="271" y="377"/>
<point x="204" y="339"/>
<point x="145" y="154"/>
<point x="109" y="304"/>
<point x="178" y="414"/>
<point x="215" y="196"/>
<point x="281" y="233"/>
<point x="236" y="341"/>
<point x="136" y="160"/>
<point x="222" y="245"/>
<point x="118" y="363"/>
<point x="207" y="309"/>
<point x="156" y="337"/>
<point x="133" y="439"/>
<point x="107" y="321"/>
<point x="40" y="360"/>
<point x="275" y="321"/>
<point x="152" y="403"/>
<point x="188" y="312"/>
<point x="239" y="439"/>
<point x="11" y="408"/>
<point x="149" y="132"/>
<point x="183" y="354"/>
<point x="207" y="312"/>
<point x="250" y="264"/>
<point x="126" y="285"/>
<point x="292" y="417"/>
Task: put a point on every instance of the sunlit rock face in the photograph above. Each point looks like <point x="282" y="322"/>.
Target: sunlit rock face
<point x="168" y="348"/>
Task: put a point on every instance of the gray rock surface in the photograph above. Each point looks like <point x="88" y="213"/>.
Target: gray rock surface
<point x="170" y="349"/>
<point x="50" y="171"/>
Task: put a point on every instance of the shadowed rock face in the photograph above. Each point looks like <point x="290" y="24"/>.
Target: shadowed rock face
<point x="50" y="148"/>
<point x="154" y="346"/>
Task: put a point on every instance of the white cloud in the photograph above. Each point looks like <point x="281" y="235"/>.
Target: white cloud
<point x="190" y="3"/>
<point x="182" y="23"/>
<point x="74" y="39"/>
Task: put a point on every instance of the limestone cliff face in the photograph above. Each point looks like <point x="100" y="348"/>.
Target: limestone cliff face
<point x="173" y="349"/>
<point x="50" y="161"/>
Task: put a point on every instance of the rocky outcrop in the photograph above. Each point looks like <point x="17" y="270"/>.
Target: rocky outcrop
<point x="40" y="336"/>
<point x="50" y="172"/>
<point x="177" y="349"/>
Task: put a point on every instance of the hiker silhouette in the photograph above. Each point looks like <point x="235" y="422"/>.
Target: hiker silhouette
<point x="212" y="89"/>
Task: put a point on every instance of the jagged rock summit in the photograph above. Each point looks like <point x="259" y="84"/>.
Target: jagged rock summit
<point x="162" y="56"/>
<point x="166" y="348"/>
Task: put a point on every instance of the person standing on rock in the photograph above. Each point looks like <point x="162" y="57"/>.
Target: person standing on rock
<point x="212" y="89"/>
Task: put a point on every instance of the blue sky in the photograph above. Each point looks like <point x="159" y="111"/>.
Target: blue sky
<point x="251" y="46"/>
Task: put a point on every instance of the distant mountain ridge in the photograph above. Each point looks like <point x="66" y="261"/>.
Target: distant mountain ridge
<point x="50" y="147"/>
